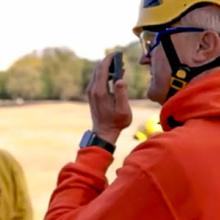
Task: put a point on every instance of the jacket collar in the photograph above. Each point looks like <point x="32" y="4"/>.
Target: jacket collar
<point x="201" y="98"/>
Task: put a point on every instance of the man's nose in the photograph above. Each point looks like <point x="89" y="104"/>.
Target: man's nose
<point x="145" y="60"/>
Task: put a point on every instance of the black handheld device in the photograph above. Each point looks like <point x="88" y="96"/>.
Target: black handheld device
<point x="115" y="70"/>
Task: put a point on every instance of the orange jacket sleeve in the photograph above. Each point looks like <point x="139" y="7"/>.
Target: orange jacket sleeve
<point x="82" y="192"/>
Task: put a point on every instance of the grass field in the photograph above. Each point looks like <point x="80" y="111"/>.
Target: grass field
<point x="43" y="137"/>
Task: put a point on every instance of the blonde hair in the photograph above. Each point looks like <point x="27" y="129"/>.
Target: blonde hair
<point x="207" y="17"/>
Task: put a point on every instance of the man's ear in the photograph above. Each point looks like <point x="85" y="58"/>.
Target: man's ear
<point x="208" y="47"/>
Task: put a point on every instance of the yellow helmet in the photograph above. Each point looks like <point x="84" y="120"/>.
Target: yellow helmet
<point x="160" y="12"/>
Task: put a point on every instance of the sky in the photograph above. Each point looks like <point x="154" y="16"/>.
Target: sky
<point x="87" y="27"/>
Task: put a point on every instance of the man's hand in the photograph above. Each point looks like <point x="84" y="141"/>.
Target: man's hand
<point x="110" y="113"/>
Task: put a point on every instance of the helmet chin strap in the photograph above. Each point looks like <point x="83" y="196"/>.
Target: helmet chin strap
<point x="182" y="74"/>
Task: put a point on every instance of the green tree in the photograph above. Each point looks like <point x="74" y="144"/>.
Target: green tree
<point x="24" y="82"/>
<point x="137" y="75"/>
<point x="3" y="79"/>
<point x="61" y="74"/>
<point x="24" y="78"/>
<point x="86" y="73"/>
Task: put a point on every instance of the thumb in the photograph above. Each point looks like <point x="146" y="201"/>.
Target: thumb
<point x="121" y="95"/>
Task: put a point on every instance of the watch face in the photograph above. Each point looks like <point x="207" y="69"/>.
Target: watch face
<point x="86" y="139"/>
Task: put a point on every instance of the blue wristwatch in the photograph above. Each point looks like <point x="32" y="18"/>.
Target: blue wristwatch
<point x="91" y="139"/>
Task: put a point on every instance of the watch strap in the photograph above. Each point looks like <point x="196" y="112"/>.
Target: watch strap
<point x="91" y="139"/>
<point x="97" y="141"/>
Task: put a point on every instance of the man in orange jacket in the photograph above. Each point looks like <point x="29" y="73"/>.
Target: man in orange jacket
<point x="175" y="174"/>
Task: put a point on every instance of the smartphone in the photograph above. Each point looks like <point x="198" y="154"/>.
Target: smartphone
<point x="115" y="70"/>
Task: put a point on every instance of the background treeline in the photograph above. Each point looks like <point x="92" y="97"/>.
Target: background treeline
<point x="58" y="73"/>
